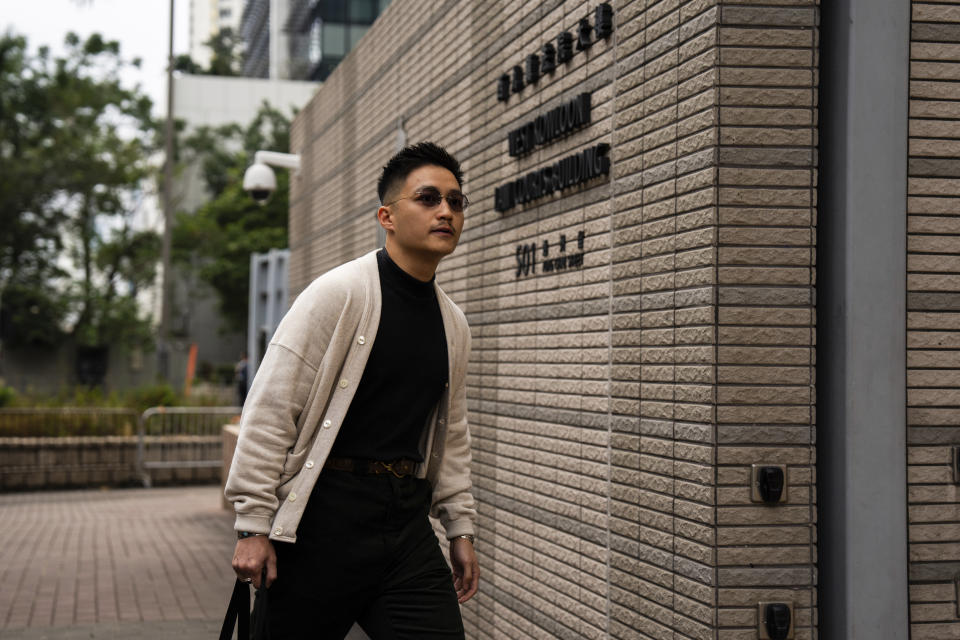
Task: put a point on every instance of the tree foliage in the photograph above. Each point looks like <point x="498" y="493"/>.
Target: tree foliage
<point x="218" y="238"/>
<point x="226" y="56"/>
<point x="75" y="149"/>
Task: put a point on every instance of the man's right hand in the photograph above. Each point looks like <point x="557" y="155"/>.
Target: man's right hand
<point x="250" y="556"/>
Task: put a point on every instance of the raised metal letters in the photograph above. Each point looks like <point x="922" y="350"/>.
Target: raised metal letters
<point x="569" y="171"/>
<point x="546" y="63"/>
<point x="503" y="88"/>
<point x="533" y="68"/>
<point x="517" y="79"/>
<point x="550" y="126"/>
<point x="564" y="47"/>
<point x="526" y="256"/>
<point x="548" y="58"/>
<point x="603" y="16"/>
<point x="584" y="31"/>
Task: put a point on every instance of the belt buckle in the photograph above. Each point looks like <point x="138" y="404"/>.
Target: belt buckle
<point x="389" y="467"/>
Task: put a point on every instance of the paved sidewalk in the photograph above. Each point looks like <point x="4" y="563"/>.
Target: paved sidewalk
<point x="142" y="564"/>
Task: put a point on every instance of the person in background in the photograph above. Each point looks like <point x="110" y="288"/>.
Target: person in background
<point x="240" y="377"/>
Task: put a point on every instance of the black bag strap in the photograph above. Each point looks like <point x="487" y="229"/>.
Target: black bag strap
<point x="239" y="609"/>
<point x="258" y="617"/>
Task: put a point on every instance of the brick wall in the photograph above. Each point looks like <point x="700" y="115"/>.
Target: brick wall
<point x="933" y="318"/>
<point x="616" y="407"/>
<point x="765" y="326"/>
<point x="664" y="286"/>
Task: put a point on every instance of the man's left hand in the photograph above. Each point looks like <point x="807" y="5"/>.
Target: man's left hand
<point x="466" y="570"/>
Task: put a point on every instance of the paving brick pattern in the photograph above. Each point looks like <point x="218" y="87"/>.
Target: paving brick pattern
<point x="123" y="563"/>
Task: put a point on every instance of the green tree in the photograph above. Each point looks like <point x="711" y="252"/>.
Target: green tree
<point x="227" y="53"/>
<point x="226" y="56"/>
<point x="218" y="238"/>
<point x="75" y="149"/>
<point x="185" y="63"/>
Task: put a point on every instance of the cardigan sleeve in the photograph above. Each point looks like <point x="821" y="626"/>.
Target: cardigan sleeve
<point x="268" y="429"/>
<point x="453" y="502"/>
<point x="280" y="391"/>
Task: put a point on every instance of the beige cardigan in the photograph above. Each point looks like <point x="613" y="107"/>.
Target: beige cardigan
<point x="300" y="397"/>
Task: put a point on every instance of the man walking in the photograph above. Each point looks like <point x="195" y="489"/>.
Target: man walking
<point x="355" y="430"/>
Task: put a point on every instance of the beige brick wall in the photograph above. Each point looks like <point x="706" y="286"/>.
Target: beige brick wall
<point x="933" y="318"/>
<point x="615" y="408"/>
<point x="766" y="223"/>
<point x="663" y="511"/>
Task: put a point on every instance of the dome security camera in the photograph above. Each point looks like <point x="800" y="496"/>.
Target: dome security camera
<point x="259" y="181"/>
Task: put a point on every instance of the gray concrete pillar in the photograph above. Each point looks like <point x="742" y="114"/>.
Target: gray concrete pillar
<point x="861" y="314"/>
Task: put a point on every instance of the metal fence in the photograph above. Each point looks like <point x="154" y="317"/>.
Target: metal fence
<point x="180" y="438"/>
<point x="168" y="440"/>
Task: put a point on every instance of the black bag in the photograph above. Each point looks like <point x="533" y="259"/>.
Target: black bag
<point x="258" y="617"/>
<point x="250" y="624"/>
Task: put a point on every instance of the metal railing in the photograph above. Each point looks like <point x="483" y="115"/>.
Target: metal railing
<point x="168" y="438"/>
<point x="180" y="438"/>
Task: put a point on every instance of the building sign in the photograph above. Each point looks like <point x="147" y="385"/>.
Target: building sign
<point x="550" y="56"/>
<point x="549" y="126"/>
<point x="567" y="172"/>
<point x="572" y="170"/>
<point x="560" y="260"/>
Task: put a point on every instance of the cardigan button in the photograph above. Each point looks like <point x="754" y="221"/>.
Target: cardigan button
<point x="361" y="340"/>
<point x="292" y="497"/>
<point x="308" y="464"/>
<point x="343" y="383"/>
<point x="278" y="531"/>
<point x="327" y="424"/>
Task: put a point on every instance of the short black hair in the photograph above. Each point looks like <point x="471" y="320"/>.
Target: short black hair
<point x="412" y="158"/>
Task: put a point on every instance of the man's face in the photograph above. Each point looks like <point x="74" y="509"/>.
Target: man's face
<point x="419" y="225"/>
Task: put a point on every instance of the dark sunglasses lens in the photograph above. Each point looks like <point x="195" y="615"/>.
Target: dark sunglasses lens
<point x="429" y="198"/>
<point x="456" y="201"/>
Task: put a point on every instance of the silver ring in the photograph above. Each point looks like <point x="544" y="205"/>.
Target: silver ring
<point x="247" y="580"/>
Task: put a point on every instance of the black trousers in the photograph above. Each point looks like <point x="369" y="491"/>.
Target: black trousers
<point x="365" y="553"/>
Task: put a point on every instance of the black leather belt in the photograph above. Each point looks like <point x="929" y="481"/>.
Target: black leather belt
<point x="399" y="468"/>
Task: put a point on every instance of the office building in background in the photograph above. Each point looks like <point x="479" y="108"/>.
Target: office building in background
<point x="207" y="19"/>
<point x="302" y="39"/>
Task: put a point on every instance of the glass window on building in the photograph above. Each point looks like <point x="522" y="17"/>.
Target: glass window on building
<point x="364" y="11"/>
<point x="332" y="10"/>
<point x="333" y="40"/>
<point x="334" y="28"/>
<point x="355" y="33"/>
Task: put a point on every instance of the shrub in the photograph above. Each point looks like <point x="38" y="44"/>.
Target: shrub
<point x="7" y="396"/>
<point x="154" y="395"/>
<point x="48" y="421"/>
<point x="225" y="373"/>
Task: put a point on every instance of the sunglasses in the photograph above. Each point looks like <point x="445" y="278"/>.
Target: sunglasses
<point x="431" y="198"/>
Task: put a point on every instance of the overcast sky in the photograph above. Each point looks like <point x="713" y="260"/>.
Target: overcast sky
<point x="141" y="26"/>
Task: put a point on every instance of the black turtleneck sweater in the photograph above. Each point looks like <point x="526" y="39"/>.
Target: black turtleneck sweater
<point x="405" y="373"/>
